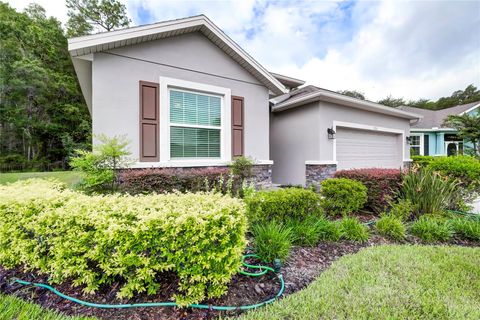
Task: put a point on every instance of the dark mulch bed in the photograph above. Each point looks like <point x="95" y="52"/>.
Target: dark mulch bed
<point x="302" y="267"/>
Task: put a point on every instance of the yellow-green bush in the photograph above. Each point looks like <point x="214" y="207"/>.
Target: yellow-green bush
<point x="98" y="240"/>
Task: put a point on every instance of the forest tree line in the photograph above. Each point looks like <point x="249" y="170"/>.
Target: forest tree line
<point x="43" y="115"/>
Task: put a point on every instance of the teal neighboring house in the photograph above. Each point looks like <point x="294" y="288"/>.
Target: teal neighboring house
<point x="429" y="137"/>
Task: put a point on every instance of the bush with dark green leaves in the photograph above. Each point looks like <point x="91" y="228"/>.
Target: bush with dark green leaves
<point x="391" y="226"/>
<point x="432" y="229"/>
<point x="341" y="196"/>
<point x="282" y="204"/>
<point x="272" y="240"/>
<point x="353" y="229"/>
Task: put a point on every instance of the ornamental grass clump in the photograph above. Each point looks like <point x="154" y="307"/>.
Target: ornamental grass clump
<point x="391" y="226"/>
<point x="429" y="192"/>
<point x="131" y="240"/>
<point x="432" y="229"/>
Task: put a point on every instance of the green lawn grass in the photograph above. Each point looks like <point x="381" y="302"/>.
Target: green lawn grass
<point x="14" y="308"/>
<point x="389" y="282"/>
<point x="70" y="178"/>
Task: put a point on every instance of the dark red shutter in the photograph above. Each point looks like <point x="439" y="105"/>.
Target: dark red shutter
<point x="149" y="121"/>
<point x="238" y="122"/>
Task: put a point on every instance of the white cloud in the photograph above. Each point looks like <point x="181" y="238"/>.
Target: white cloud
<point x="54" y="8"/>
<point x="415" y="49"/>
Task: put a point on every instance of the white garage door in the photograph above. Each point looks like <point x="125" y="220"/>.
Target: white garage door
<point x="368" y="149"/>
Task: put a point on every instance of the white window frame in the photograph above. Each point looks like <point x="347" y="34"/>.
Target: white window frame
<point x="166" y="84"/>
<point x="422" y="142"/>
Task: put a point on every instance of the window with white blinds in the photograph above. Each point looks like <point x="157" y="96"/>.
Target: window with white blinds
<point x="195" y="125"/>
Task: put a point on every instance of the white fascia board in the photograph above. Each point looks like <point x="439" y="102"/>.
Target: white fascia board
<point x="471" y="109"/>
<point x="88" y="44"/>
<point x="431" y="130"/>
<point x="346" y="101"/>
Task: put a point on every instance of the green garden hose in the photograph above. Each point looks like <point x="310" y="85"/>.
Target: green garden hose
<point x="264" y="270"/>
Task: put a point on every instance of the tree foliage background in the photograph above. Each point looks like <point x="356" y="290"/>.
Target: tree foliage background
<point x="43" y="116"/>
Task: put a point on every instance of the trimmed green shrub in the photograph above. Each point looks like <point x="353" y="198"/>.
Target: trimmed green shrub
<point x="428" y="191"/>
<point x="382" y="185"/>
<point x="353" y="229"/>
<point x="342" y="196"/>
<point x="403" y="209"/>
<point x="328" y="230"/>
<point x="464" y="168"/>
<point x="272" y="240"/>
<point x="391" y="227"/>
<point x="467" y="228"/>
<point x="282" y="204"/>
<point x="423" y="161"/>
<point x="99" y="240"/>
<point x="431" y="229"/>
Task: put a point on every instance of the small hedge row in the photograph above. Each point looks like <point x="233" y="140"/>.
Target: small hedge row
<point x="282" y="204"/>
<point x="341" y="196"/>
<point x="99" y="240"/>
<point x="162" y="180"/>
<point x="382" y="185"/>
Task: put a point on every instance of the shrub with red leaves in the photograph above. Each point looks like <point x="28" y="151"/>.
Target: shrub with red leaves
<point x="382" y="185"/>
<point x="160" y="180"/>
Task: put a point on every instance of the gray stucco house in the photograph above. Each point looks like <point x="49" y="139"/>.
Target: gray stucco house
<point x="187" y="96"/>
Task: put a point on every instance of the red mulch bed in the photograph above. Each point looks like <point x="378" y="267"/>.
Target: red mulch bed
<point x="302" y="267"/>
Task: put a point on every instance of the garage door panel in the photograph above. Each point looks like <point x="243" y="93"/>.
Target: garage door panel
<point x="367" y="149"/>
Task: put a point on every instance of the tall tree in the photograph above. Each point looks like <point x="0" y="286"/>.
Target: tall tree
<point x="353" y="94"/>
<point x="42" y="111"/>
<point x="392" y="102"/>
<point x="87" y="16"/>
<point x="468" y="127"/>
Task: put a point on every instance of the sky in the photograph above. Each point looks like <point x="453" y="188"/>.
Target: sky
<point x="409" y="49"/>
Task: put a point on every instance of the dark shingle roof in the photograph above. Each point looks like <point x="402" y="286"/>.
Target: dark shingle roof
<point x="434" y="118"/>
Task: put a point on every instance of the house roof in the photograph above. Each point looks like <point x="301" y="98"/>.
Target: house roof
<point x="83" y="47"/>
<point x="288" y="81"/>
<point x="311" y="93"/>
<point x="434" y="118"/>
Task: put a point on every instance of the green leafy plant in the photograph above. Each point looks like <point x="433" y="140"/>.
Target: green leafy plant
<point x="342" y="196"/>
<point x="282" y="204"/>
<point x="463" y="168"/>
<point x="428" y="191"/>
<point x="423" y="161"/>
<point x="99" y="166"/>
<point x="403" y="209"/>
<point x="242" y="167"/>
<point x="305" y="231"/>
<point x="353" y="229"/>
<point x="272" y="240"/>
<point x="467" y="228"/>
<point x="328" y="230"/>
<point x="96" y="241"/>
<point x="432" y="229"/>
<point x="391" y="226"/>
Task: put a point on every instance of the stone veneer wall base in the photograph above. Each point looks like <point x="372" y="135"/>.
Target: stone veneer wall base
<point x="316" y="173"/>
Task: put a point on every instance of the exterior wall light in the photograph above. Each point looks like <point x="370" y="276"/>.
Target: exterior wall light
<point x="331" y="133"/>
<point x="408" y="138"/>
